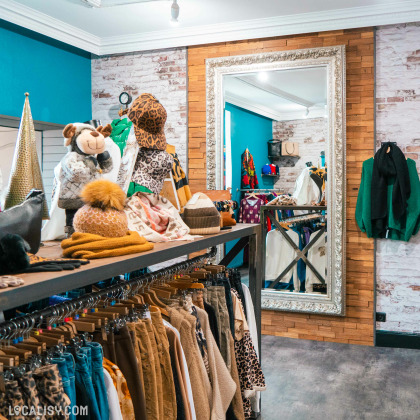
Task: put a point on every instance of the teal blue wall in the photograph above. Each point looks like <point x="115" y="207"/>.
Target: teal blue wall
<point x="57" y="77"/>
<point x="252" y="131"/>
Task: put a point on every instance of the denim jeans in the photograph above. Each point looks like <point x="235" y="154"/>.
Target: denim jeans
<point x="84" y="384"/>
<point x="98" y="378"/>
<point x="70" y="370"/>
<point x="66" y="372"/>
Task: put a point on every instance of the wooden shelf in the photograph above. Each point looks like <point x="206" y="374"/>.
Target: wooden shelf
<point x="280" y="157"/>
<point x="42" y="285"/>
<point x="274" y="175"/>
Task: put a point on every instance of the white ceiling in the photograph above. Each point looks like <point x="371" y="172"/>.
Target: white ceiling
<point x="146" y="25"/>
<point x="281" y="94"/>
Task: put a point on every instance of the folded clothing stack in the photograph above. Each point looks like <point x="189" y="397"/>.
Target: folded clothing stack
<point x="90" y="246"/>
<point x="201" y="215"/>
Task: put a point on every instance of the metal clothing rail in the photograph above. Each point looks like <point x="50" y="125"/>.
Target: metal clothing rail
<point x="258" y="190"/>
<point x="300" y="254"/>
<point x="29" y="320"/>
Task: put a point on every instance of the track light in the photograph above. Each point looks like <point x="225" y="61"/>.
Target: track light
<point x="174" y="13"/>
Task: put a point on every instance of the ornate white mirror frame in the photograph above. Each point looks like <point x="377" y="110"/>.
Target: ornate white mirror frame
<point x="333" y="59"/>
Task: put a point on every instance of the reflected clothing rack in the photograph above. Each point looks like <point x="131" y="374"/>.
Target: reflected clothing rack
<point x="267" y="212"/>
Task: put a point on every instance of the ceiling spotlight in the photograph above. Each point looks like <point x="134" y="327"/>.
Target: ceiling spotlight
<point x="174" y="13"/>
<point x="262" y="76"/>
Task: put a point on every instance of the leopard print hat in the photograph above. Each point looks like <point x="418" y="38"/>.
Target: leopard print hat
<point x="148" y="117"/>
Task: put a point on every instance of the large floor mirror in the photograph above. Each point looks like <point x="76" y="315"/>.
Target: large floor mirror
<point x="276" y="139"/>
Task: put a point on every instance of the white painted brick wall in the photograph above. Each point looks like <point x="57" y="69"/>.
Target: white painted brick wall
<point x="311" y="135"/>
<point x="161" y="73"/>
<point x="398" y="119"/>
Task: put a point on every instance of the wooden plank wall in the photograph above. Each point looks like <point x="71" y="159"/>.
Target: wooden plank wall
<point x="357" y="326"/>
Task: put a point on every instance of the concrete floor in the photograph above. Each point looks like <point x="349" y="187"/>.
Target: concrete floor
<point x="310" y="380"/>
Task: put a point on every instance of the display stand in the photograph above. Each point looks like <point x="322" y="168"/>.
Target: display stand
<point x="42" y="285"/>
<point x="267" y="211"/>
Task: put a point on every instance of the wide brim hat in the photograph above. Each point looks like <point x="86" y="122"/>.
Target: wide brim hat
<point x="149" y="117"/>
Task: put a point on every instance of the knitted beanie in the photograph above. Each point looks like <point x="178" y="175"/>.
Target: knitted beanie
<point x="103" y="212"/>
<point x="201" y="215"/>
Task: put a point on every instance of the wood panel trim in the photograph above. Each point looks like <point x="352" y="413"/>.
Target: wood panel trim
<point x="358" y="325"/>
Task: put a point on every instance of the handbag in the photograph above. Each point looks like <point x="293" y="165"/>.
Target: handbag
<point x="25" y="220"/>
<point x="274" y="147"/>
<point x="290" y="149"/>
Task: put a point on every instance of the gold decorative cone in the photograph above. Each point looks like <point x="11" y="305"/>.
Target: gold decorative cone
<point x="26" y="172"/>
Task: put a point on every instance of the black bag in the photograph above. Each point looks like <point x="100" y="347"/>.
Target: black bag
<point x="274" y="148"/>
<point x="25" y="220"/>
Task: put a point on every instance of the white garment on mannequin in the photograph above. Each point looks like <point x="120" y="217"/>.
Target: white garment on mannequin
<point x="317" y="256"/>
<point x="279" y="254"/>
<point x="306" y="191"/>
<point x="187" y="375"/>
<point x="113" y="401"/>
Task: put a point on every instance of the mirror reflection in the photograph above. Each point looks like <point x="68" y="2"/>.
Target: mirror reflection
<point x="276" y="136"/>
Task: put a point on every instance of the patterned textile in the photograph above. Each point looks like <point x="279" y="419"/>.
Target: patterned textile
<point x="249" y="211"/>
<point x="180" y="178"/>
<point x="201" y="340"/>
<point x="155" y="218"/>
<point x="50" y="391"/>
<point x="251" y="376"/>
<point x="149" y="117"/>
<point x="108" y="222"/>
<point x="249" y="178"/>
<point x="151" y="168"/>
<point x="120" y="384"/>
<point x="76" y="171"/>
<point x="12" y="397"/>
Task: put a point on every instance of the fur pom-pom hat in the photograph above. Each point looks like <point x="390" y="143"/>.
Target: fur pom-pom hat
<point x="103" y="212"/>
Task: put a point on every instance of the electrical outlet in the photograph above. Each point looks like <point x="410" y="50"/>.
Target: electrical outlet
<point x="381" y="316"/>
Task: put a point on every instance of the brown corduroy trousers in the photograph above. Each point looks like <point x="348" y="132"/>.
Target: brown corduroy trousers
<point x="119" y="349"/>
<point x="164" y="358"/>
<point x="148" y="362"/>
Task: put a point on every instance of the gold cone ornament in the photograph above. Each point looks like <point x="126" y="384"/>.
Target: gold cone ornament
<point x="26" y="172"/>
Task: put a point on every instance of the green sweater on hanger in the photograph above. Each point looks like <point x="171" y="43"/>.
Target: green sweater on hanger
<point x="401" y="230"/>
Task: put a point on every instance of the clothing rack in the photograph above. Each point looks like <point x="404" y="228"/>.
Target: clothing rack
<point x="300" y="254"/>
<point x="73" y="305"/>
<point x="41" y="285"/>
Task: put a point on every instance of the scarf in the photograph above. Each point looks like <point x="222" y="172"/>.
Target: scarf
<point x="90" y="246"/>
<point x="387" y="166"/>
<point x="155" y="218"/>
<point x="248" y="176"/>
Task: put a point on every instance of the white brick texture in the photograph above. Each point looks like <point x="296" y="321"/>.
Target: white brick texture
<point x="398" y="119"/>
<point x="163" y="73"/>
<point x="311" y="135"/>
